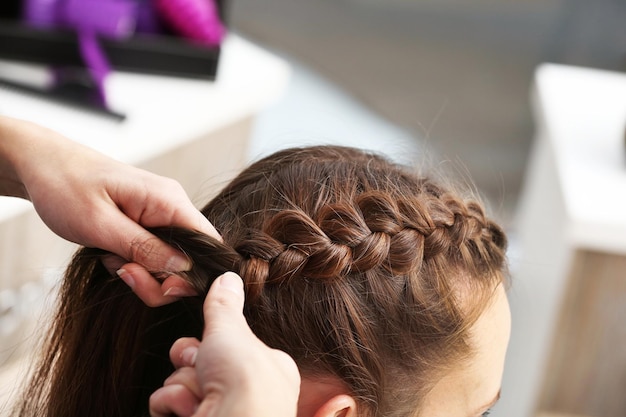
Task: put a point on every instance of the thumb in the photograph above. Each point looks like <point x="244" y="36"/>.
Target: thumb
<point x="223" y="306"/>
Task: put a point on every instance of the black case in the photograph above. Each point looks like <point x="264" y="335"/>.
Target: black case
<point x="156" y="54"/>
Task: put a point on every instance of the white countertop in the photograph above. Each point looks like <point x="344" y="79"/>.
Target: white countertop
<point x="162" y="112"/>
<point x="583" y="112"/>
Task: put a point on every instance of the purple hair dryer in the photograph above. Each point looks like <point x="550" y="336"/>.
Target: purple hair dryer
<point x="194" y="19"/>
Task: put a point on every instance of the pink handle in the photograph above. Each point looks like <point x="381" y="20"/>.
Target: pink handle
<point x="194" y="19"/>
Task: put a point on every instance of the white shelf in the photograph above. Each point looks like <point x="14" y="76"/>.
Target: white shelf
<point x="584" y="117"/>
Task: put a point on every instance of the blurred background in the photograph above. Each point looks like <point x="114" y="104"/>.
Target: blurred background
<point x="453" y="75"/>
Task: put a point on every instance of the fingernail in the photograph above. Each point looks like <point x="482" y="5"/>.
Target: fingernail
<point x="231" y="282"/>
<point x="126" y="277"/>
<point x="178" y="263"/>
<point x="189" y="355"/>
<point x="178" y="292"/>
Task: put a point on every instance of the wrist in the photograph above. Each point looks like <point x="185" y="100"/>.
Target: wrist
<point x="13" y="147"/>
<point x="29" y="155"/>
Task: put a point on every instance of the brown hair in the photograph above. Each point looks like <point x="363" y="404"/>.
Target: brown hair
<point x="354" y="266"/>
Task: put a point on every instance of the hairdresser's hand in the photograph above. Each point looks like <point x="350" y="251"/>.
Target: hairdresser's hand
<point x="231" y="372"/>
<point x="88" y="198"/>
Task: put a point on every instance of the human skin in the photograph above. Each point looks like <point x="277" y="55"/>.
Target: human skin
<point x="468" y="389"/>
<point x="473" y="387"/>
<point x="231" y="372"/>
<point x="93" y="200"/>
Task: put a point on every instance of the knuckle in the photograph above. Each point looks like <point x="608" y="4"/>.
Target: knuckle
<point x="143" y="248"/>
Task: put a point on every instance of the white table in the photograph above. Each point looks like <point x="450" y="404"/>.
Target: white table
<point x="192" y="130"/>
<point x="568" y="297"/>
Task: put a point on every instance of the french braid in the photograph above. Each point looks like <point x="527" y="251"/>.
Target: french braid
<point x="373" y="231"/>
<point x="371" y="255"/>
<point x="356" y="267"/>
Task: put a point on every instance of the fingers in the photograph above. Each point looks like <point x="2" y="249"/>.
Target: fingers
<point x="160" y="201"/>
<point x="184" y="352"/>
<point x="147" y="288"/>
<point x="152" y="292"/>
<point x="149" y="253"/>
<point x="176" y="210"/>
<point x="121" y="235"/>
<point x="140" y="281"/>
<point x="223" y="305"/>
<point x="173" y="399"/>
<point x="187" y="377"/>
<point x="154" y="254"/>
<point x="112" y="262"/>
<point x="231" y="372"/>
<point x="176" y="286"/>
<point x="150" y="201"/>
<point x="189" y="217"/>
<point x="181" y="392"/>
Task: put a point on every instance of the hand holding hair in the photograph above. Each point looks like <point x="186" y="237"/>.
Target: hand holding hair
<point x="385" y="287"/>
<point x="231" y="372"/>
<point x="91" y="199"/>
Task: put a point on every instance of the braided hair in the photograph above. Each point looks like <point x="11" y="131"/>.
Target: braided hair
<point x="354" y="266"/>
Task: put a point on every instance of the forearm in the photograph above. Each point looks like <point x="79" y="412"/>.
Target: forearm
<point x="32" y="155"/>
<point x="15" y="141"/>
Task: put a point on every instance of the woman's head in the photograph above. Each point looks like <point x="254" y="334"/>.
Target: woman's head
<point x="378" y="282"/>
<point x="360" y="270"/>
